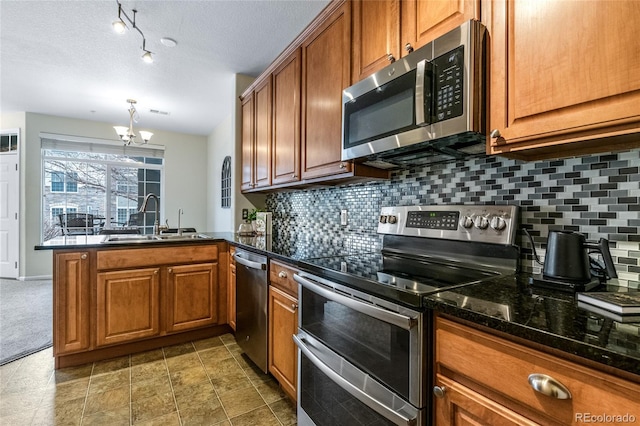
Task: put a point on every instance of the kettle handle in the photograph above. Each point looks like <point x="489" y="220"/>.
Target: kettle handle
<point x="603" y="247"/>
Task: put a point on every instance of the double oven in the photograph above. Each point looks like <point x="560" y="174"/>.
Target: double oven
<point x="364" y="338"/>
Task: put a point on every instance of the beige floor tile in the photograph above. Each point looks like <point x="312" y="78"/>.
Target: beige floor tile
<point x="15" y="403"/>
<point x="231" y="382"/>
<point x="188" y="376"/>
<point x="261" y="416"/>
<point x="24" y="383"/>
<point x="180" y="362"/>
<point x="63" y="413"/>
<point x="256" y="375"/>
<point x="111" y="365"/>
<point x="151" y="408"/>
<point x="197" y="394"/>
<point x="103" y="382"/>
<point x="241" y="401"/>
<point x="108" y="400"/>
<point x="285" y="411"/>
<point x="70" y="374"/>
<point x="171" y="419"/>
<point x="214" y="355"/>
<point x="202" y="415"/>
<point x="212" y="342"/>
<point x="228" y="338"/>
<point x="176" y="350"/>
<point x="270" y="390"/>
<point x="149" y="356"/>
<point x="118" y="417"/>
<point x="18" y="419"/>
<point x="223" y="367"/>
<point x="148" y="388"/>
<point x="55" y="393"/>
<point x="149" y="370"/>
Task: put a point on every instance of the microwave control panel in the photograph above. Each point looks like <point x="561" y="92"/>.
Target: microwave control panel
<point x="448" y="76"/>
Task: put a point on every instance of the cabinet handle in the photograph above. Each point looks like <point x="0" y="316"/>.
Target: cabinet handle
<point x="294" y="306"/>
<point x="343" y="165"/>
<point x="84" y="256"/>
<point x="294" y="176"/>
<point x="170" y="270"/>
<point x="155" y="272"/>
<point x="282" y="274"/>
<point x="390" y="58"/>
<point x="439" y="391"/>
<point x="549" y="386"/>
<point x="408" y="47"/>
<point x="495" y="134"/>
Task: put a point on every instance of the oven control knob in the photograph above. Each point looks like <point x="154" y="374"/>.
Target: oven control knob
<point x="498" y="223"/>
<point x="383" y="219"/>
<point x="392" y="219"/>
<point x="466" y="222"/>
<point x="481" y="222"/>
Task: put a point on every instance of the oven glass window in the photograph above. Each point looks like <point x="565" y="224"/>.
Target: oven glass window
<point x="376" y="347"/>
<point x="326" y="403"/>
<point x="384" y="111"/>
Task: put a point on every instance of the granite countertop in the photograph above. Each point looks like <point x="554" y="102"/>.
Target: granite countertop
<point x="507" y="304"/>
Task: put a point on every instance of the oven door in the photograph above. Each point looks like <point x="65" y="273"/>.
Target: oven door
<point x="381" y="339"/>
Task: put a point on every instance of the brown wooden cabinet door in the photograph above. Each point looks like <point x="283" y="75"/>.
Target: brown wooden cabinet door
<point x="286" y="120"/>
<point x="263" y="120"/>
<point x="192" y="296"/>
<point x="231" y="293"/>
<point x="423" y="21"/>
<point x="326" y="71"/>
<point x="562" y="72"/>
<point x="376" y="36"/>
<point x="128" y="305"/>
<point x="283" y="324"/>
<point x="71" y="302"/>
<point x="462" y="406"/>
<point x="248" y="140"/>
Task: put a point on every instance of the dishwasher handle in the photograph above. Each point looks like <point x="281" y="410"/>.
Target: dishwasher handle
<point x="249" y="263"/>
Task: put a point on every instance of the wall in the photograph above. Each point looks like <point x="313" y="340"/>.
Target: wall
<point x="596" y="195"/>
<point x="181" y="190"/>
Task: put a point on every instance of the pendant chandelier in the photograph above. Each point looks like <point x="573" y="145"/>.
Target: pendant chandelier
<point x="127" y="135"/>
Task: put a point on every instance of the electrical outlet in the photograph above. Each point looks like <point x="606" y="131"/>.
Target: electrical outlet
<point x="343" y="217"/>
<point x="245" y="214"/>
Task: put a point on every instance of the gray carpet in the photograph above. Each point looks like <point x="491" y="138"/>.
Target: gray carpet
<point x="26" y="318"/>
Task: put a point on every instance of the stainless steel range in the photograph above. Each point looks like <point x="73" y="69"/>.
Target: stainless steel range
<point x="364" y="337"/>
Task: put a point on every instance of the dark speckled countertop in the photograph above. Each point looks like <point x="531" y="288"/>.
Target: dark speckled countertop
<point x="507" y="305"/>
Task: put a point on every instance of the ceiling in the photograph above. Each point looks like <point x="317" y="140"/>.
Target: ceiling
<point x="63" y="58"/>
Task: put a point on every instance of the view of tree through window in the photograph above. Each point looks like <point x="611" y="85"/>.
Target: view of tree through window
<point x="85" y="192"/>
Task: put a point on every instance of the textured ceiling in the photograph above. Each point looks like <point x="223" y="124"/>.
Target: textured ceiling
<point x="63" y="58"/>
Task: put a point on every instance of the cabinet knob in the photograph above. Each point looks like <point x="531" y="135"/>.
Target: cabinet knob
<point x="390" y="58"/>
<point x="282" y="274"/>
<point x="294" y="176"/>
<point x="439" y="391"/>
<point x="170" y="271"/>
<point x="156" y="272"/>
<point x="408" y="47"/>
<point x="495" y="134"/>
<point x="84" y="256"/>
<point x="343" y="165"/>
<point x="549" y="386"/>
<point x="294" y="306"/>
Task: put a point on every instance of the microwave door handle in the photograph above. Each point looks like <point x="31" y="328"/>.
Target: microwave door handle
<point x="402" y="321"/>
<point x="421" y="87"/>
<point x="392" y="415"/>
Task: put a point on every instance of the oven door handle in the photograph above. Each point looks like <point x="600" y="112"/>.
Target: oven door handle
<point x="389" y="413"/>
<point x="402" y="321"/>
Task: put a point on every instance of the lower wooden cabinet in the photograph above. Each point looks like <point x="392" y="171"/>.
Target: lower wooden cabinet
<point x="192" y="295"/>
<point x="283" y="324"/>
<point x="71" y="302"/>
<point x="128" y="305"/>
<point x="485" y="379"/>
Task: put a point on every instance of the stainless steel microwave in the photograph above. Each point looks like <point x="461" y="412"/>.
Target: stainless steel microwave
<point x="426" y="107"/>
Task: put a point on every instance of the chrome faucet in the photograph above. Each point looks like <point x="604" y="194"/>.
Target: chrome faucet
<point x="143" y="209"/>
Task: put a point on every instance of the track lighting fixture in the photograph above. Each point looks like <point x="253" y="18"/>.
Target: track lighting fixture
<point x="127" y="135"/>
<point x="120" y="27"/>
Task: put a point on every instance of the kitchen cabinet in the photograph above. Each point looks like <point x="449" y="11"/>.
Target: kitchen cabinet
<point x="286" y="120"/>
<point x="192" y="295"/>
<point x="128" y="305"/>
<point x="384" y="31"/>
<point x="564" y="77"/>
<point x="256" y="137"/>
<point x="231" y="291"/>
<point x="71" y="301"/>
<point x="326" y="68"/>
<point x="283" y="324"/>
<point x="500" y="392"/>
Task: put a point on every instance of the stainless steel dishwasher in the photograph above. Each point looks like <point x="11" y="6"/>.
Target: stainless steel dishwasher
<point x="251" y="306"/>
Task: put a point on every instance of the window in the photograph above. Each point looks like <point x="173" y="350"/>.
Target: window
<point x="106" y="181"/>
<point x="226" y="183"/>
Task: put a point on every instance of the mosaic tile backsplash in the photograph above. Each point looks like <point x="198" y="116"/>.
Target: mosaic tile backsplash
<point x="597" y="195"/>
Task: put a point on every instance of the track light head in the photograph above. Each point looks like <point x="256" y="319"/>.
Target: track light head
<point x="147" y="57"/>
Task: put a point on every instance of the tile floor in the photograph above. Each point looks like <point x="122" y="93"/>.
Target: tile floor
<point x="206" y="382"/>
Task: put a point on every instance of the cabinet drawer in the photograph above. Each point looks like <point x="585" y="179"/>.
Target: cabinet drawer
<point x="503" y="368"/>
<point x="154" y="256"/>
<point x="281" y="276"/>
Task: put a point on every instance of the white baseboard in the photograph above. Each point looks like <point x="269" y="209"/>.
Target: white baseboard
<point x="36" y="278"/>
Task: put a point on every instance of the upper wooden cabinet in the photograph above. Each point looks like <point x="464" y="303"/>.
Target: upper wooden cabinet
<point x="326" y="67"/>
<point x="248" y="142"/>
<point x="286" y="120"/>
<point x="564" y="75"/>
<point x="256" y="137"/>
<point x="385" y="30"/>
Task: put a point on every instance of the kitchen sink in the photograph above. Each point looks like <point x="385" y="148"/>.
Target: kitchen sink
<point x="134" y="238"/>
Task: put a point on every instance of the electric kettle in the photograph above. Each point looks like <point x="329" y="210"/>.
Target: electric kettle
<point x="568" y="259"/>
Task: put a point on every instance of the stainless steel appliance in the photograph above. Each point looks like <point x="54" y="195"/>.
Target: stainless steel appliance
<point x="251" y="306"/>
<point x="364" y="336"/>
<point x="426" y="107"/>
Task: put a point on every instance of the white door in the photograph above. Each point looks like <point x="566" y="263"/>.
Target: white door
<point x="9" y="204"/>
